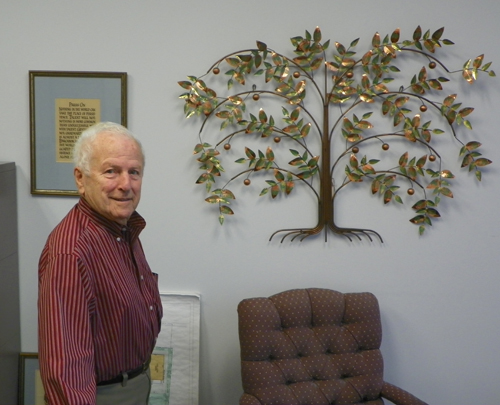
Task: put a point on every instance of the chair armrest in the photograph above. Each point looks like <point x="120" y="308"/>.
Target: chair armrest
<point x="247" y="399"/>
<point x="399" y="396"/>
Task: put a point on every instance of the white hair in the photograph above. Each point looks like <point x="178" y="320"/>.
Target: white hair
<point x="84" y="146"/>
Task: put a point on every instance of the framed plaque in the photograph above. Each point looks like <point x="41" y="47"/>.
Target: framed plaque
<point x="30" y="384"/>
<point x="62" y="105"/>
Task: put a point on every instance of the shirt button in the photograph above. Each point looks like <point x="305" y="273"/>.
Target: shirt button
<point x="142" y="278"/>
<point x="151" y="308"/>
<point x="118" y="239"/>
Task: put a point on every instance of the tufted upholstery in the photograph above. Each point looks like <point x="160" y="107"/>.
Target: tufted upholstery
<point x="314" y="346"/>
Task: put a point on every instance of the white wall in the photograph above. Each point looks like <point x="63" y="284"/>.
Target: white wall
<point x="438" y="294"/>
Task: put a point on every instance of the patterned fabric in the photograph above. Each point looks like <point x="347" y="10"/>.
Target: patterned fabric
<point x="99" y="306"/>
<point x="313" y="347"/>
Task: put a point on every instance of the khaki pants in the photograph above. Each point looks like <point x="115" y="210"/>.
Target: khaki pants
<point x="135" y="392"/>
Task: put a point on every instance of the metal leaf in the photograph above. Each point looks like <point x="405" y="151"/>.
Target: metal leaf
<point x="437" y="34"/>
<point x="353" y="161"/>
<point x="226" y="210"/>
<point x="430" y="45"/>
<point x="483" y="162"/>
<point x="419" y="219"/>
<point x="317" y="34"/>
<point x="186" y="85"/>
<point x="446" y="192"/>
<point x="403" y="160"/>
<point x="213" y="199"/>
<point x="386" y="106"/>
<point x="446" y="174"/>
<point x="421" y="161"/>
<point x="197" y="149"/>
<point x="395" y="35"/>
<point x="275" y="190"/>
<point x="388" y="196"/>
<point x="340" y="48"/>
<point x="449" y="100"/>
<point x="400" y="101"/>
<point x="422" y="75"/>
<point x="305" y="130"/>
<point x="276" y="59"/>
<point x="435" y="84"/>
<point x="269" y="154"/>
<point x="478" y="61"/>
<point x="417" y="34"/>
<point x="465" y="111"/>
<point x="228" y="194"/>
<point x="416" y="121"/>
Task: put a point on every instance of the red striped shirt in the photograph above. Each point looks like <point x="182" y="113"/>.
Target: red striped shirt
<point x="99" y="309"/>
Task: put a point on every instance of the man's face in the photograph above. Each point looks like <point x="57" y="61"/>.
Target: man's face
<point x="113" y="187"/>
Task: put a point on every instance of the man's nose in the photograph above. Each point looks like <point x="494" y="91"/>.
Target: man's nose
<point x="124" y="181"/>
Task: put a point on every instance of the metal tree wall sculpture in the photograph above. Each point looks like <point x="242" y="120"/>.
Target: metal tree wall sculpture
<point x="348" y="90"/>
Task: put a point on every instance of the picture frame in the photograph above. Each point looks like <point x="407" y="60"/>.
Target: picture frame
<point x="29" y="382"/>
<point x="62" y="105"/>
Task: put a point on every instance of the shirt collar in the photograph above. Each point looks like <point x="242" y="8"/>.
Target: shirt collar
<point x="135" y="224"/>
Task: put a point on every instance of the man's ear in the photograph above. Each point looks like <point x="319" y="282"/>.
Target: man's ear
<point x="77" y="172"/>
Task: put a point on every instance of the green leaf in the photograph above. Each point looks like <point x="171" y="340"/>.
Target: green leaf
<point x="305" y="130"/>
<point x="197" y="149"/>
<point x="446" y="174"/>
<point x="448" y="101"/>
<point x="278" y="175"/>
<point x="213" y="199"/>
<point x="433" y="213"/>
<point x="269" y="154"/>
<point x="388" y="196"/>
<point x="482" y="162"/>
<point x="262" y="116"/>
<point x="250" y="153"/>
<point x="185" y="85"/>
<point x="417" y="34"/>
<point x="275" y="190"/>
<point x="227" y="194"/>
<point x="437" y="34"/>
<point x="395" y="35"/>
<point x="465" y="111"/>
<point x="446" y="192"/>
<point x="296" y="162"/>
<point x="317" y="35"/>
<point x="353" y="161"/>
<point x="224" y="209"/>
<point x="403" y="160"/>
<point x="202" y="179"/>
<point x="419" y="219"/>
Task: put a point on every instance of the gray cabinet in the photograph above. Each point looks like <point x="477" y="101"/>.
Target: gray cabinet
<point x="10" y="333"/>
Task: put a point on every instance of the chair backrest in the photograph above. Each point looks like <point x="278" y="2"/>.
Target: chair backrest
<point x="311" y="346"/>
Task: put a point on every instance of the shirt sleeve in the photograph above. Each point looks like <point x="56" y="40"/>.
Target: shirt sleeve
<point x="66" y="350"/>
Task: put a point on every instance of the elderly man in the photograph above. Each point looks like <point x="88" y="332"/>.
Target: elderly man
<point x="99" y="306"/>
